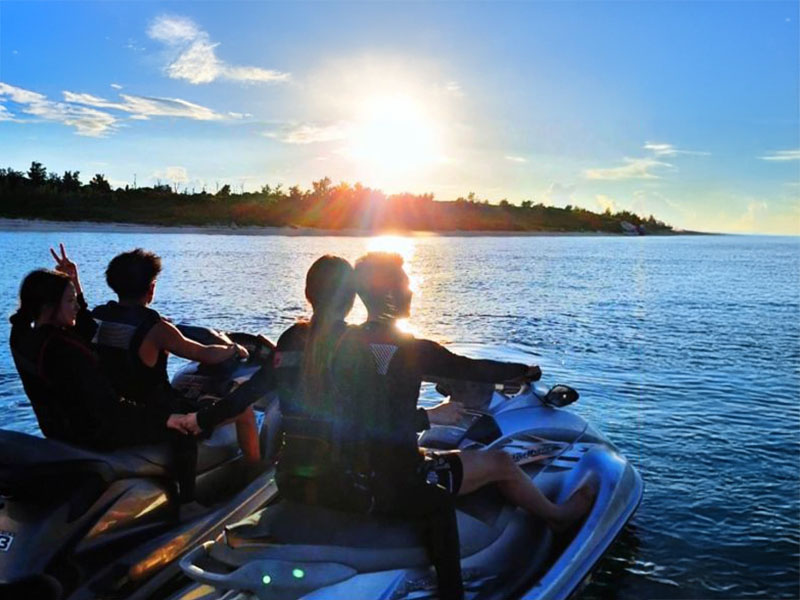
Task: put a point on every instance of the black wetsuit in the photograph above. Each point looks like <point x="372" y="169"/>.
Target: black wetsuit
<point x="309" y="419"/>
<point x="74" y="402"/>
<point x="378" y="371"/>
<point x="313" y="421"/>
<point x="121" y="331"/>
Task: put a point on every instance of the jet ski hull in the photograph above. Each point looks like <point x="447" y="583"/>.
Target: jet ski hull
<point x="506" y="553"/>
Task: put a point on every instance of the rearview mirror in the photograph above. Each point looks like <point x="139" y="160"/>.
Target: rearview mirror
<point x="561" y="395"/>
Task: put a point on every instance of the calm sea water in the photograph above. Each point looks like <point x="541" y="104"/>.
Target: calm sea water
<point x="686" y="351"/>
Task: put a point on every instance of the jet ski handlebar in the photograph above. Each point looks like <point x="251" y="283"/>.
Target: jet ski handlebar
<point x="259" y="347"/>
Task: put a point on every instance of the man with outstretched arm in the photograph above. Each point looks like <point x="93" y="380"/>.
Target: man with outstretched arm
<point x="379" y="370"/>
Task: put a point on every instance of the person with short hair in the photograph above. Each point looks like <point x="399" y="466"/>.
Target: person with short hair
<point x="134" y="342"/>
<point x="73" y="400"/>
<point x="380" y="369"/>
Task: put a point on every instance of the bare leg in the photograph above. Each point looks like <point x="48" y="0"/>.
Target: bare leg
<point x="247" y="435"/>
<point x="482" y="467"/>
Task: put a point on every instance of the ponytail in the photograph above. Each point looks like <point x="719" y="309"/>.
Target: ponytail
<point x="330" y="291"/>
<point x="21" y="318"/>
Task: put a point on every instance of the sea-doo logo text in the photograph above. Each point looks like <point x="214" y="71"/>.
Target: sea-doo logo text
<point x="5" y="541"/>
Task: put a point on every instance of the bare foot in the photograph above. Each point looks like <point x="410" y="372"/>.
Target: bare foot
<point x="574" y="509"/>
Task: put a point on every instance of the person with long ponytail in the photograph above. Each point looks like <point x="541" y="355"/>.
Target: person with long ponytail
<point x="307" y="401"/>
<point x="50" y="341"/>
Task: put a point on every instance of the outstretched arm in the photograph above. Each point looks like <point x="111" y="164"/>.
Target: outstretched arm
<point x="167" y="337"/>
<point x="435" y="361"/>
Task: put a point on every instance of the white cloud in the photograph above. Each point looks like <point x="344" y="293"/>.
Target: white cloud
<point x="81" y="111"/>
<point x="86" y="121"/>
<point x="116" y="86"/>
<point x="20" y="95"/>
<point x="559" y="194"/>
<point x="662" y="149"/>
<point x="173" y="174"/>
<point x="755" y="212"/>
<point x="516" y="159"/>
<point x="634" y="168"/>
<point x="5" y="115"/>
<point x="782" y="155"/>
<point x="143" y="106"/>
<point x="607" y="203"/>
<point x="309" y="133"/>
<point x="174" y="30"/>
<point x="194" y="57"/>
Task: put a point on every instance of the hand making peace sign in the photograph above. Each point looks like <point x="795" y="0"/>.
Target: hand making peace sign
<point x="66" y="266"/>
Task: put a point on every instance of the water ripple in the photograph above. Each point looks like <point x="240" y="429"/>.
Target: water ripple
<point x="686" y="352"/>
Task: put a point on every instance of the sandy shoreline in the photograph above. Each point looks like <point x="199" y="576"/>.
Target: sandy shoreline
<point x="11" y="225"/>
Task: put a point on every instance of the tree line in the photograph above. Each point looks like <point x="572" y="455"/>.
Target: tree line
<point x="47" y="195"/>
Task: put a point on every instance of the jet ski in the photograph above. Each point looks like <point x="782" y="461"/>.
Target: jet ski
<point x="80" y="524"/>
<point x="290" y="551"/>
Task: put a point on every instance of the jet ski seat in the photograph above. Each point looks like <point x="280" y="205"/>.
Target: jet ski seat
<point x="292" y="531"/>
<point x="33" y="463"/>
<point x="28" y="462"/>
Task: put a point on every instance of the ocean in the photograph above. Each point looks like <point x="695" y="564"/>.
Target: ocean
<point x="685" y="349"/>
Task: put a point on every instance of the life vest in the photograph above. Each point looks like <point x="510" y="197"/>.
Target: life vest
<point x="120" y="332"/>
<point x="58" y="416"/>
<point x="373" y="440"/>
<point x="308" y="423"/>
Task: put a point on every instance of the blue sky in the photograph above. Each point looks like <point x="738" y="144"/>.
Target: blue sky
<point x="686" y="110"/>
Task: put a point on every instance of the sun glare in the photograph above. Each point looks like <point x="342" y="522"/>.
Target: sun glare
<point x="405" y="247"/>
<point x="394" y="134"/>
<point x="398" y="244"/>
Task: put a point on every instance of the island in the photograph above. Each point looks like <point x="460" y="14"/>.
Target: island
<point x="40" y="195"/>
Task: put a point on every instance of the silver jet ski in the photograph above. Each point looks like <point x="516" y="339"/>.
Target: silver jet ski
<point x="290" y="551"/>
<point x="81" y="525"/>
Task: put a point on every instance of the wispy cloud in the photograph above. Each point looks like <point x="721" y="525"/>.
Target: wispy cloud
<point x="82" y="111"/>
<point x="516" y="159"/>
<point x="145" y="107"/>
<point x="454" y="88"/>
<point x="662" y="149"/>
<point x="5" y="115"/>
<point x="310" y="133"/>
<point x="782" y="155"/>
<point x="194" y="55"/>
<point x="116" y="86"/>
<point x="634" y="168"/>
<point x="86" y="121"/>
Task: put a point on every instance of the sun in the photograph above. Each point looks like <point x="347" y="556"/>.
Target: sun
<point x="394" y="134"/>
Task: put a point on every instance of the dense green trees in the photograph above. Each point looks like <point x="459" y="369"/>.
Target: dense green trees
<point x="40" y="195"/>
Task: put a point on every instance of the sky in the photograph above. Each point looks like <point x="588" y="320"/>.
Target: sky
<point x="688" y="111"/>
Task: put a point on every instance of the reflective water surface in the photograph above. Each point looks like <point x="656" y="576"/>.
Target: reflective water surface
<point x="686" y="351"/>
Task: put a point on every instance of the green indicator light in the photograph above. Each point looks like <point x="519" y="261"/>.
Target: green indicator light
<point x="298" y="573"/>
<point x="266" y="580"/>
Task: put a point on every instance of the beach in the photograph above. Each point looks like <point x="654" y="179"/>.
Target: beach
<point x="111" y="227"/>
